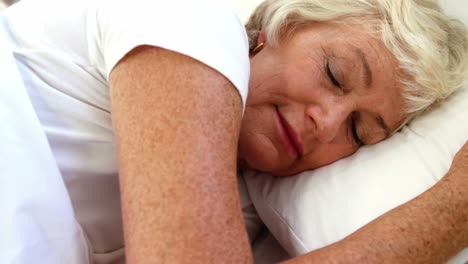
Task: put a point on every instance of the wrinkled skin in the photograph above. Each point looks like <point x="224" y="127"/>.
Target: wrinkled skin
<point x="316" y="98"/>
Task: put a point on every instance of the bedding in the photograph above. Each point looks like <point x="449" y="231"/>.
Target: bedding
<point x="317" y="208"/>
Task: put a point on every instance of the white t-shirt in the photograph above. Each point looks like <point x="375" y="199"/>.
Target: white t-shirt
<point x="64" y="51"/>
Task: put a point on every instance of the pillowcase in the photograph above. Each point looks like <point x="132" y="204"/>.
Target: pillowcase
<point x="316" y="208"/>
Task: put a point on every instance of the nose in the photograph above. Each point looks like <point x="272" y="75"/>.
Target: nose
<point x="328" y="119"/>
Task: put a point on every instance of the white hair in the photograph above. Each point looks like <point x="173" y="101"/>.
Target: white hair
<point x="430" y="47"/>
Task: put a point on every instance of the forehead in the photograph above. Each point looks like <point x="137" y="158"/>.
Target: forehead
<point x="369" y="67"/>
<point x="340" y="36"/>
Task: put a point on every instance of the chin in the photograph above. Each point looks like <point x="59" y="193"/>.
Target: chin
<point x="265" y="161"/>
<point x="268" y="164"/>
<point x="258" y="152"/>
<point x="277" y="167"/>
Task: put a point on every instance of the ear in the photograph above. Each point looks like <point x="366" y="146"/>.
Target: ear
<point x="261" y="37"/>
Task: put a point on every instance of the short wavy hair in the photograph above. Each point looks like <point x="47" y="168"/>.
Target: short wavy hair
<point x="431" y="47"/>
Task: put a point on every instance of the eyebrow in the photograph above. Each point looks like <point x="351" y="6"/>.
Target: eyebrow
<point x="365" y="65"/>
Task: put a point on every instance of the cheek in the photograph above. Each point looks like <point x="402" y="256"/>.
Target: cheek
<point x="256" y="149"/>
<point x="260" y="145"/>
<point x="323" y="155"/>
<point x="303" y="86"/>
<point x="256" y="139"/>
<point x="334" y="153"/>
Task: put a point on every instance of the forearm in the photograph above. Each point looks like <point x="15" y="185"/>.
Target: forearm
<point x="428" y="229"/>
<point x="177" y="162"/>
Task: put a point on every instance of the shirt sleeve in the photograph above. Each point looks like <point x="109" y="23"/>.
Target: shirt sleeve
<point x="206" y="30"/>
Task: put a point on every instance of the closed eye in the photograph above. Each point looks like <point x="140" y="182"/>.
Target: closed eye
<point x="331" y="76"/>
<point x="354" y="130"/>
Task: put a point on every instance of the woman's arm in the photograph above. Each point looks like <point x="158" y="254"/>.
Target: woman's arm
<point x="177" y="123"/>
<point x="429" y="229"/>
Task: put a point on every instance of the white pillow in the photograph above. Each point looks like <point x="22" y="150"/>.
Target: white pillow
<point x="317" y="208"/>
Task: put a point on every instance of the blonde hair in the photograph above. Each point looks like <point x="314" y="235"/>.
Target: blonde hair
<point x="431" y="48"/>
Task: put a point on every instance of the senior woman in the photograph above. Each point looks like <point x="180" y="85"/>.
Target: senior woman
<point x="162" y="80"/>
<point x="349" y="73"/>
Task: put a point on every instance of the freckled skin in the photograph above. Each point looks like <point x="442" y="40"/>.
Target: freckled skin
<point x="176" y="125"/>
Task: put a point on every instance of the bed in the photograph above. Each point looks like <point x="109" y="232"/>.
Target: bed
<point x="291" y="216"/>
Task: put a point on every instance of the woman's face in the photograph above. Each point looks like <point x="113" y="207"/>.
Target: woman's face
<point x="316" y="98"/>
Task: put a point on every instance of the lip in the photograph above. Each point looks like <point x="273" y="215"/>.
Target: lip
<point x="290" y="136"/>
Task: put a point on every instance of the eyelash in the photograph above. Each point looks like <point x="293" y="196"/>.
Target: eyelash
<point x="353" y="119"/>
<point x="331" y="77"/>
<point x="354" y="131"/>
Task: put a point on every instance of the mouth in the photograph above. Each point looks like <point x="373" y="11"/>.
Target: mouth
<point x="289" y="136"/>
